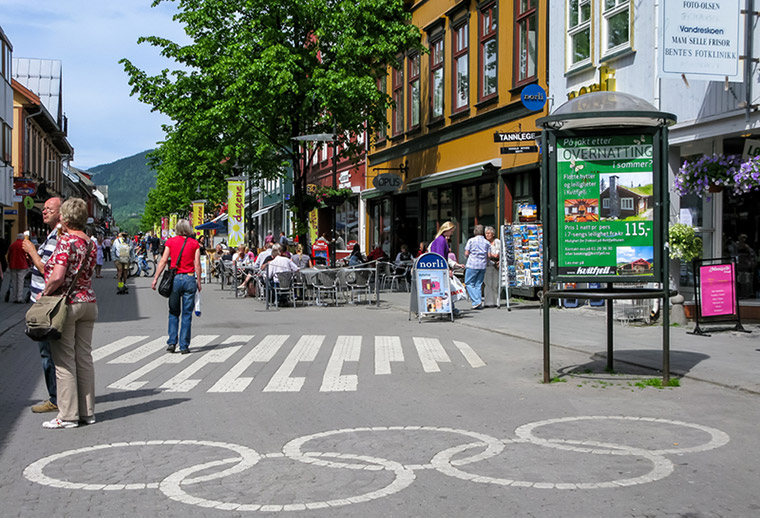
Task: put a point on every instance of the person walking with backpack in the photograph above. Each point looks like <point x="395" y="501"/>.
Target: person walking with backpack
<point x="182" y="252"/>
<point x="122" y="256"/>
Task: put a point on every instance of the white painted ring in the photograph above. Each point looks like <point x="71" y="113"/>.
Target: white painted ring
<point x="718" y="438"/>
<point x="661" y="468"/>
<point x="34" y="471"/>
<point x="293" y="449"/>
<point x="171" y="486"/>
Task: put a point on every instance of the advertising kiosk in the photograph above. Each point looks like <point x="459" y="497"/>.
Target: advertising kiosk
<point x="605" y="204"/>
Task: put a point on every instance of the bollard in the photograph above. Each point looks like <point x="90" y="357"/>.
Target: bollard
<point x="677" y="314"/>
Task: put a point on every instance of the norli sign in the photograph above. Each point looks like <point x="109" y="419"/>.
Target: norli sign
<point x="605" y="206"/>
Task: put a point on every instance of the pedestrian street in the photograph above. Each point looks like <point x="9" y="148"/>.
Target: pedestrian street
<point x="356" y="410"/>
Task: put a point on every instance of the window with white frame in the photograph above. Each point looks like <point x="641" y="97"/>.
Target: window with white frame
<point x="616" y="16"/>
<point x="382" y="85"/>
<point x="414" y="90"/>
<point x="626" y="203"/>
<point x="436" y="78"/>
<point x="526" y="31"/>
<point x="488" y="52"/>
<point x="606" y="203"/>
<point x="578" y="32"/>
<point x="461" y="91"/>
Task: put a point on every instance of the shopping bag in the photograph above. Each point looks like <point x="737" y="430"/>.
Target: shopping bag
<point x="458" y="292"/>
<point x="197" y="303"/>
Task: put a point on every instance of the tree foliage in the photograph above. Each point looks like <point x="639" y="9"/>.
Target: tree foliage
<point x="258" y="73"/>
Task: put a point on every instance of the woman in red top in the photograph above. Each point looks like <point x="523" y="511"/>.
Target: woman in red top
<point x="186" y="282"/>
<point x="72" y="352"/>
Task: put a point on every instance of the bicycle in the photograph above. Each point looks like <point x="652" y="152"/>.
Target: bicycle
<point x="142" y="264"/>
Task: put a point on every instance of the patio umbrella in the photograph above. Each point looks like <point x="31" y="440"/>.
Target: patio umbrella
<point x="212" y="225"/>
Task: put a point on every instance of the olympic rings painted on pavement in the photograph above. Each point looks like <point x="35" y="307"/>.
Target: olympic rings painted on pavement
<point x="718" y="437"/>
<point x="292" y="449"/>
<point x="33" y="472"/>
<point x="175" y="485"/>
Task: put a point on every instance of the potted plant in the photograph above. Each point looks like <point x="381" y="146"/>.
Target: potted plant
<point x="713" y="173"/>
<point x="685" y="245"/>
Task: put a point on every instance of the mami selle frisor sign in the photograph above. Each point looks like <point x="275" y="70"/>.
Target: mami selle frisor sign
<point x="605" y="206"/>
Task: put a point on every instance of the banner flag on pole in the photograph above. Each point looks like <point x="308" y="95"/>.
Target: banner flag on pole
<point x="198" y="216"/>
<point x="164" y="228"/>
<point x="235" y="212"/>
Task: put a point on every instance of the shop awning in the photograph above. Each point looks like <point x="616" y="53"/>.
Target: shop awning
<point x="368" y="194"/>
<point x="262" y="211"/>
<point x="459" y="174"/>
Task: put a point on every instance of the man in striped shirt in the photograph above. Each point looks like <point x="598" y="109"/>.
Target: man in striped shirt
<point x="51" y="215"/>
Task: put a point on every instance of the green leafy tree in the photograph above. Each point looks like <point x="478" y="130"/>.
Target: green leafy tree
<point x="258" y="73"/>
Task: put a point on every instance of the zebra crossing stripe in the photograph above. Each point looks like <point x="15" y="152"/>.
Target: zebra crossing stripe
<point x="263" y="352"/>
<point x="182" y="382"/>
<point x="347" y="349"/>
<point x="387" y="349"/>
<point x="431" y="353"/>
<point x="305" y="350"/>
<point x="114" y="347"/>
<point x="469" y="354"/>
<point x="130" y="381"/>
<point x="142" y="352"/>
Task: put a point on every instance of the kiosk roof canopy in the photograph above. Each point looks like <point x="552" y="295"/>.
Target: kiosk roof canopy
<point x="606" y="109"/>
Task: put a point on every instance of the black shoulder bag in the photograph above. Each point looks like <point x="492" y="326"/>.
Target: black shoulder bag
<point x="166" y="284"/>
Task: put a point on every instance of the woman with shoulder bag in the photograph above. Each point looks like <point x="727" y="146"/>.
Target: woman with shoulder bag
<point x="183" y="253"/>
<point x="72" y="352"/>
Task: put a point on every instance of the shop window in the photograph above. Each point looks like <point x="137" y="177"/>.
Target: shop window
<point x="488" y="52"/>
<point x="616" y="25"/>
<point x="431" y="215"/>
<point x="436" y="79"/>
<point x="461" y="90"/>
<point x="578" y="43"/>
<point x="398" y="101"/>
<point x="526" y="32"/>
<point x="414" y="91"/>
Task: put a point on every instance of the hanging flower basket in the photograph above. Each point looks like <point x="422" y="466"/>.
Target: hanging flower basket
<point x="333" y="197"/>
<point x="714" y="173"/>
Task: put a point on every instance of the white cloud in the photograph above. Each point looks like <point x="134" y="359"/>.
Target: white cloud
<point x="90" y="37"/>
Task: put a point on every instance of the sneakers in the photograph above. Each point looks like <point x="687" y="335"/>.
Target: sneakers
<point x="171" y="348"/>
<point x="55" y="424"/>
<point x="89" y="419"/>
<point x="45" y="406"/>
<point x="184" y="351"/>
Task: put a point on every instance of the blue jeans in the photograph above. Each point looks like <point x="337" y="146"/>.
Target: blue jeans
<point x="473" y="281"/>
<point x="48" y="368"/>
<point x="181" y="302"/>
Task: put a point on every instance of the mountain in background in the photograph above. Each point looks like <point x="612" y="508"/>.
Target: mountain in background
<point x="129" y="180"/>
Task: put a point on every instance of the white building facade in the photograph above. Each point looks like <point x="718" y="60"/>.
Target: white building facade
<point x="620" y="45"/>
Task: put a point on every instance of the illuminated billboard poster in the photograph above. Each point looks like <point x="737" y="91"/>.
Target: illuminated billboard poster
<point x="605" y="206"/>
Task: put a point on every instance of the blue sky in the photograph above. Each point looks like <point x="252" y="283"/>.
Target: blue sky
<point x="89" y="37"/>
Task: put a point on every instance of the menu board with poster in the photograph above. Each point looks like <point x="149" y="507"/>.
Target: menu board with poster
<point x="431" y="289"/>
<point x="605" y="207"/>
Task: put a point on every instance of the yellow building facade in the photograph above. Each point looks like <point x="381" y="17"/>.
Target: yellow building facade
<point x="456" y="106"/>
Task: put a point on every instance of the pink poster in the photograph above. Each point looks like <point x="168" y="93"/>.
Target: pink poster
<point x="717" y="290"/>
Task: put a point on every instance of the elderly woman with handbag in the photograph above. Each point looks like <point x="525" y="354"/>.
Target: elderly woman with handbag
<point x="182" y="254"/>
<point x="69" y="270"/>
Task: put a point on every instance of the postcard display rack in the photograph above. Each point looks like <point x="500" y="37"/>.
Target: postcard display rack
<point x="522" y="249"/>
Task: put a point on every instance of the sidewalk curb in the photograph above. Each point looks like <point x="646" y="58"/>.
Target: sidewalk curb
<point x="603" y="356"/>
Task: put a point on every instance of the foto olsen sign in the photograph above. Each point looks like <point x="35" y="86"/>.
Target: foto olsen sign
<point x="701" y="38"/>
